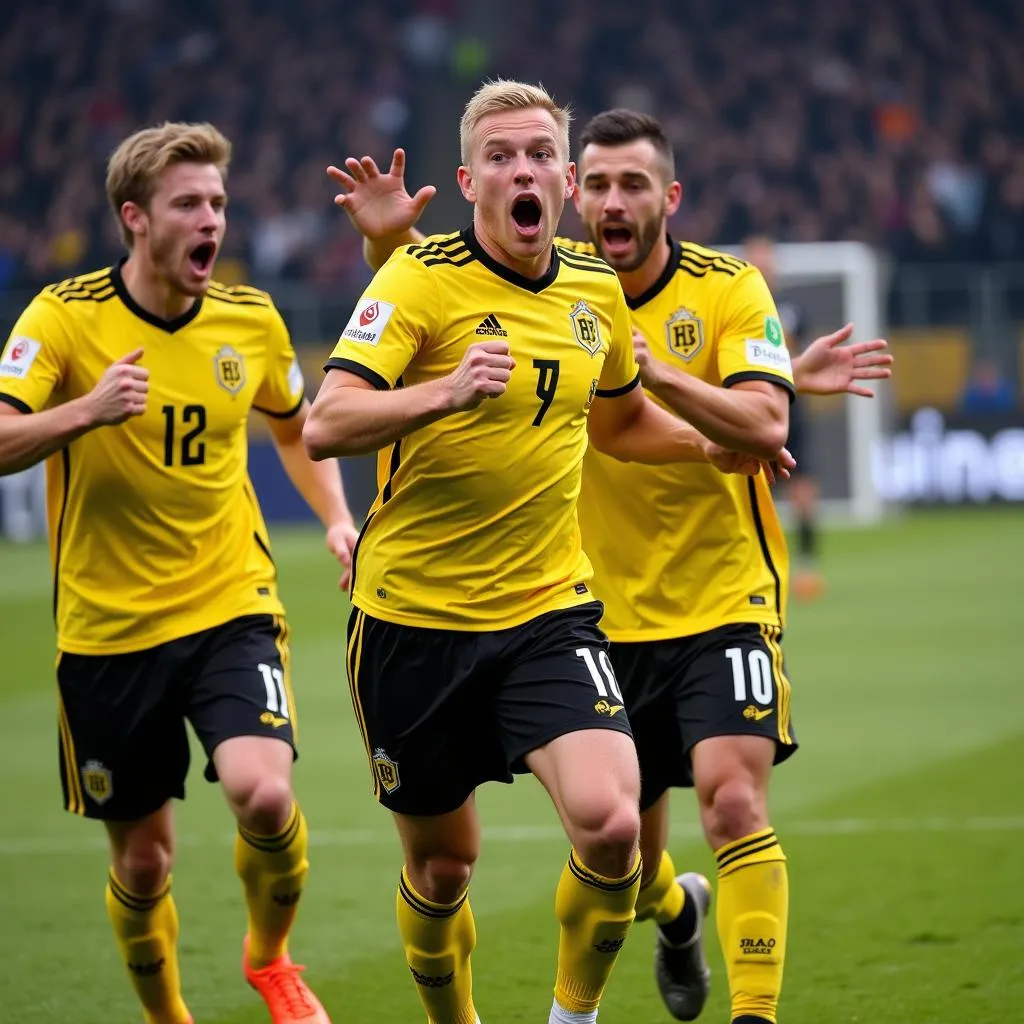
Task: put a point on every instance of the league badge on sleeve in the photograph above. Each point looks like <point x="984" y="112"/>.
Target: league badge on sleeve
<point x="18" y="357"/>
<point x="367" y="323"/>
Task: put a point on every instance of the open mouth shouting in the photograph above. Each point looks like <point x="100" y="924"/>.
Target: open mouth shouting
<point x="616" y="239"/>
<point x="201" y="258"/>
<point x="526" y="215"/>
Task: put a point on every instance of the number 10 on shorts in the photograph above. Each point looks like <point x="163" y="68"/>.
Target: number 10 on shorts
<point x="607" y="686"/>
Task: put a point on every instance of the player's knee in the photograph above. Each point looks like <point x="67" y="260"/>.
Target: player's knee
<point x="607" y="835"/>
<point x="264" y="804"/>
<point x="734" y="810"/>
<point x="142" y="866"/>
<point x="441" y="878"/>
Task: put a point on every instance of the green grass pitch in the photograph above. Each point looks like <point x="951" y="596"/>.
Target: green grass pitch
<point x="902" y="815"/>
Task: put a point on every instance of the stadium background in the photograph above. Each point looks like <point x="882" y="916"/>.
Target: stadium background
<point x="899" y="125"/>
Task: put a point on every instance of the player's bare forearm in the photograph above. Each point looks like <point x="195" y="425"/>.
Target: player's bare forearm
<point x="319" y="483"/>
<point x="376" y="251"/>
<point x="742" y="418"/>
<point x="28" y="438"/>
<point x="651" y="436"/>
<point x="348" y="419"/>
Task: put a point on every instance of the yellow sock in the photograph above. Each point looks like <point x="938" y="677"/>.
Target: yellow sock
<point x="273" y="871"/>
<point x="661" y="898"/>
<point x="595" y="914"/>
<point x="753" y="913"/>
<point x="146" y="929"/>
<point x="438" y="940"/>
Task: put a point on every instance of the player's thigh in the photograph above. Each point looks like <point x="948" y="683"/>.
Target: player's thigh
<point x="123" y="746"/>
<point x="239" y="684"/>
<point x="737" y="685"/>
<point x="650" y="674"/>
<point x="425" y="713"/>
<point x="557" y="679"/>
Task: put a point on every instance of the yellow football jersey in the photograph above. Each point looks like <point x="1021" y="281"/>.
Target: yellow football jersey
<point x="681" y="549"/>
<point x="155" y="532"/>
<point x="475" y="524"/>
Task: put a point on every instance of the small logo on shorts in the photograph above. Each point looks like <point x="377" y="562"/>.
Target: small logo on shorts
<point x="386" y="771"/>
<point x="580" y="588"/>
<point x="753" y="714"/>
<point x="757" y="599"/>
<point x="97" y="781"/>
<point x="382" y="593"/>
<point x="602" y="707"/>
<point x="269" y="718"/>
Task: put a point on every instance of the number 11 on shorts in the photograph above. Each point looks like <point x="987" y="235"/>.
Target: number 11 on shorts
<point x="273" y="680"/>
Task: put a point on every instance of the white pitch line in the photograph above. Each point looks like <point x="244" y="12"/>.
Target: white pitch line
<point x="339" y="838"/>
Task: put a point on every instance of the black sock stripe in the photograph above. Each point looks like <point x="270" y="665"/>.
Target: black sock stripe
<point x="587" y="877"/>
<point x="421" y="907"/>
<point x="140" y="904"/>
<point x="742" y="854"/>
<point x="743" y="844"/>
<point x="276" y="843"/>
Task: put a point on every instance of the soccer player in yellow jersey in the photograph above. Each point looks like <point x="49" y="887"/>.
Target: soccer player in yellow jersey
<point x="691" y="563"/>
<point x="478" y="364"/>
<point x="137" y="381"/>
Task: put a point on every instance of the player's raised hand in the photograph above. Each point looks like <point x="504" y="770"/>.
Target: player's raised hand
<point x="828" y="367"/>
<point x="649" y="366"/>
<point x="121" y="392"/>
<point x="378" y="204"/>
<point x="484" y="372"/>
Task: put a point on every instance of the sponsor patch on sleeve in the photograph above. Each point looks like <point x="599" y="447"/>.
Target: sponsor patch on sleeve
<point x="765" y="354"/>
<point x="367" y="323"/>
<point x="295" y="382"/>
<point x="18" y="357"/>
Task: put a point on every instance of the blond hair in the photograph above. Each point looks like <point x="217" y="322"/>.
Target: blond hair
<point x="501" y="95"/>
<point x="135" y="166"/>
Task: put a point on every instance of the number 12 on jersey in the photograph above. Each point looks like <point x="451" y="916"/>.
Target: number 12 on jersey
<point x="192" y="451"/>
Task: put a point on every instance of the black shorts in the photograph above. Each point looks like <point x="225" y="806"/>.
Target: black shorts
<point x="442" y="711"/>
<point x="729" y="681"/>
<point x="123" y="745"/>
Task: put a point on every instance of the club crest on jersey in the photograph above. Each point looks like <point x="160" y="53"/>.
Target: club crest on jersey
<point x="684" y="332"/>
<point x="386" y="771"/>
<point x="229" y="366"/>
<point x="97" y="781"/>
<point x="586" y="327"/>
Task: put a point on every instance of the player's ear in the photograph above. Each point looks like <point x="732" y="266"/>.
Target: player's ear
<point x="134" y="217"/>
<point x="673" y="197"/>
<point x="570" y="180"/>
<point x="465" y="177"/>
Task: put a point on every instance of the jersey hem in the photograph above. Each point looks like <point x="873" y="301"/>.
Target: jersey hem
<point x="639" y="636"/>
<point x="771" y="378"/>
<point x="287" y="415"/>
<point x="459" y="625"/>
<point x="147" y="641"/>
<point x="351" y="366"/>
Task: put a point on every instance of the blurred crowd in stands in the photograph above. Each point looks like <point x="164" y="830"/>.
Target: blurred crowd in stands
<point x="898" y="122"/>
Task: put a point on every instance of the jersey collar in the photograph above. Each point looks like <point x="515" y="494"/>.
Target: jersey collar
<point x="519" y="280"/>
<point x="675" y="251"/>
<point x="170" y="326"/>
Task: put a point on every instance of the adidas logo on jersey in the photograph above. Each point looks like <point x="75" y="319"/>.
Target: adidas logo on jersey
<point x="490" y="325"/>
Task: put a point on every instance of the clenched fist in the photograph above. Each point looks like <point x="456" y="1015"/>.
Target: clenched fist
<point x="121" y="392"/>
<point x="484" y="372"/>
